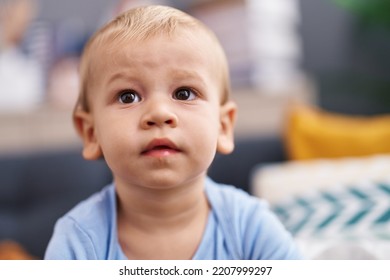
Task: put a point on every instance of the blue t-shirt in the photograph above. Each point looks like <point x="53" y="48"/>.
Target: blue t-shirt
<point x="239" y="226"/>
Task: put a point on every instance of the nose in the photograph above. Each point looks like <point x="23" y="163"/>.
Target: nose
<point x="159" y="114"/>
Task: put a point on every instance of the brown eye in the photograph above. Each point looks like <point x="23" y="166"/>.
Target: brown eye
<point x="128" y="97"/>
<point x="184" y="94"/>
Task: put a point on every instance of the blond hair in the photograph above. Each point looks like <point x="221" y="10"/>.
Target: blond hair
<point x="140" y="24"/>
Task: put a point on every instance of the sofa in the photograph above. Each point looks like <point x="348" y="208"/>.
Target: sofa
<point x="39" y="187"/>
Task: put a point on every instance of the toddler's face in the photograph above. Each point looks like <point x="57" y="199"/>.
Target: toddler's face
<point x="156" y="114"/>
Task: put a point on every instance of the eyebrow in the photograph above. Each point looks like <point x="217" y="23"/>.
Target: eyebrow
<point x="176" y="74"/>
<point x="118" y="75"/>
<point x="187" y="74"/>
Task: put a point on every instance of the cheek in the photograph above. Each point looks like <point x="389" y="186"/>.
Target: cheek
<point x="117" y="143"/>
<point x="204" y="132"/>
<point x="112" y="134"/>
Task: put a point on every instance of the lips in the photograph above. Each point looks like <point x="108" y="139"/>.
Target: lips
<point x="160" y="148"/>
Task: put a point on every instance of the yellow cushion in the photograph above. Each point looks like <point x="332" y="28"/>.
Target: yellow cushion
<point x="313" y="133"/>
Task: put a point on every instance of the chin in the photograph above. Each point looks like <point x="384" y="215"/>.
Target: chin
<point x="163" y="184"/>
<point x="170" y="182"/>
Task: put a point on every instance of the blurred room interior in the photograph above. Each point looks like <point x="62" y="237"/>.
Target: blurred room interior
<point x="314" y="51"/>
<point x="330" y="55"/>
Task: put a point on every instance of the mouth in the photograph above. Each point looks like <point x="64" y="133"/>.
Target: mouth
<point x="160" y="148"/>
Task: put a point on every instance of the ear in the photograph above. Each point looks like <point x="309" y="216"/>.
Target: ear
<point x="84" y="124"/>
<point x="228" y="113"/>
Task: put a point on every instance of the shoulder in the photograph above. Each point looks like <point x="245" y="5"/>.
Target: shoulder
<point x="252" y="228"/>
<point x="236" y="200"/>
<point x="88" y="223"/>
<point x="97" y="207"/>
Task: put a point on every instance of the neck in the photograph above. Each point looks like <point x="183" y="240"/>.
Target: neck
<point x="155" y="209"/>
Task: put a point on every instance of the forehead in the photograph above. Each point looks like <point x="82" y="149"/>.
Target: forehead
<point x="178" y="51"/>
<point x="187" y="37"/>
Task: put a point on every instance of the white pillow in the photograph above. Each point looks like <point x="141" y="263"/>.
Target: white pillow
<point x="335" y="209"/>
<point x="276" y="182"/>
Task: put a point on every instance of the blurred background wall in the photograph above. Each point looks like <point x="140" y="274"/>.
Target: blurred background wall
<point x="318" y="51"/>
<point x="347" y="53"/>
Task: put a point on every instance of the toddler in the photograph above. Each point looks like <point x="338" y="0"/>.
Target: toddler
<point x="154" y="104"/>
